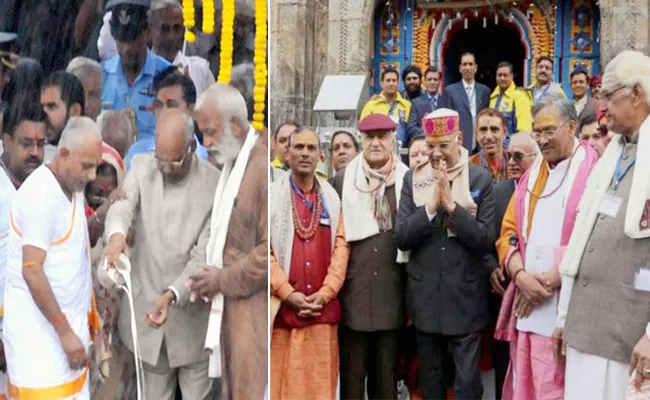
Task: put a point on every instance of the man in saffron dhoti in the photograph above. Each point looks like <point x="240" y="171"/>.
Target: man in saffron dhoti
<point x="605" y="273"/>
<point x="48" y="295"/>
<point x="308" y="265"/>
<point x="535" y="230"/>
<point x="236" y="278"/>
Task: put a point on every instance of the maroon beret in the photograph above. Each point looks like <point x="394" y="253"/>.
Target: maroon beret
<point x="596" y="80"/>
<point x="376" y="122"/>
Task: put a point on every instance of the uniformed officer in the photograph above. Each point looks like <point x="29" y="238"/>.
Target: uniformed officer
<point x="128" y="77"/>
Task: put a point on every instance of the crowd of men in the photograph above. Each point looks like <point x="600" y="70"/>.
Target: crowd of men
<point x="512" y="237"/>
<point x="134" y="160"/>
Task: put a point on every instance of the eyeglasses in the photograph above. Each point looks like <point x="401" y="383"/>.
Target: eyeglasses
<point x="607" y="96"/>
<point x="173" y="164"/>
<point x="29" y="143"/>
<point x="549" y="132"/>
<point x="517" y="156"/>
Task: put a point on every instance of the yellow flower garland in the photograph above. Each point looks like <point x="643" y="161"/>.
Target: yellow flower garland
<point x="188" y="20"/>
<point x="227" y="34"/>
<point x="260" y="64"/>
<point x="208" y="16"/>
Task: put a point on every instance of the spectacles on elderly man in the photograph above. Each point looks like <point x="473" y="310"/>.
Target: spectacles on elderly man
<point x="607" y="95"/>
<point x="173" y="164"/>
<point x="517" y="156"/>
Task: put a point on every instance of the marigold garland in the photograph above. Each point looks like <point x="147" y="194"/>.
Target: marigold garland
<point x="188" y="20"/>
<point x="227" y="34"/>
<point x="260" y="64"/>
<point x="208" y="16"/>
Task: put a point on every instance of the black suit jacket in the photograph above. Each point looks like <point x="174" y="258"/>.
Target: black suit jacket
<point x="503" y="192"/>
<point x="420" y="107"/>
<point x="448" y="286"/>
<point x="455" y="98"/>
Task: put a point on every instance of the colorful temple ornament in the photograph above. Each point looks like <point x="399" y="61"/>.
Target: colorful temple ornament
<point x="260" y="65"/>
<point x="227" y="35"/>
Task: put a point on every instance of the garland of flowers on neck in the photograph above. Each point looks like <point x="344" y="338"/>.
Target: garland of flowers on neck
<point x="259" y="92"/>
<point x="227" y="34"/>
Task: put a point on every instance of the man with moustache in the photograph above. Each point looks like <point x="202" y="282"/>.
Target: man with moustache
<point x="372" y="300"/>
<point x="603" y="311"/>
<point x="166" y="256"/>
<point x="236" y="276"/>
<point x="510" y="101"/>
<point x="426" y="103"/>
<point x="543" y="83"/>
<point x="62" y="97"/>
<point x="308" y="266"/>
<point x="412" y="78"/>
<point x="467" y="98"/>
<point x="446" y="213"/>
<point x="490" y="134"/>
<point x="535" y="231"/>
<point x="344" y="148"/>
<point x="24" y="140"/>
<point x="49" y="312"/>
<point x="128" y="77"/>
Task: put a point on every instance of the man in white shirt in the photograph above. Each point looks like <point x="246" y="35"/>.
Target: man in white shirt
<point x="48" y="295"/>
<point x="24" y="140"/>
<point x="547" y="199"/>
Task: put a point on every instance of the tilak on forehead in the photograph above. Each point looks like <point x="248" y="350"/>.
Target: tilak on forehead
<point x="440" y="124"/>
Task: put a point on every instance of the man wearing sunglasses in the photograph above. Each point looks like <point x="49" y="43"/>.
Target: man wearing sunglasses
<point x="171" y="194"/>
<point x="534" y="232"/>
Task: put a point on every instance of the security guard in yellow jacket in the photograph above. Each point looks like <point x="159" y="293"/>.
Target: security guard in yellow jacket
<point x="513" y="103"/>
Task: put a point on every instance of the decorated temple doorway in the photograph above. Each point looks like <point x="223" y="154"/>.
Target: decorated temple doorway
<point x="490" y="45"/>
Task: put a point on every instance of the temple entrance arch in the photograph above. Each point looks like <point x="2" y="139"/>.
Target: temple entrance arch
<point x="490" y="45"/>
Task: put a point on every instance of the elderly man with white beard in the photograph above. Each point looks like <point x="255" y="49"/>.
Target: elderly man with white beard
<point x="605" y="294"/>
<point x="236" y="276"/>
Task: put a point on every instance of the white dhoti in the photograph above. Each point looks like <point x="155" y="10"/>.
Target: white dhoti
<point x="594" y="377"/>
<point x="37" y="366"/>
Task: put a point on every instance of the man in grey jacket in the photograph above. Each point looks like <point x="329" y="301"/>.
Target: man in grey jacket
<point x="170" y="193"/>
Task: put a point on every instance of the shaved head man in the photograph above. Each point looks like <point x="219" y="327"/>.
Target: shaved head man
<point x="49" y="290"/>
<point x="175" y="183"/>
<point x="521" y="154"/>
<point x="117" y="130"/>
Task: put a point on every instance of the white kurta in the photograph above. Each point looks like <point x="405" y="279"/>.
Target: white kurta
<point x="7" y="192"/>
<point x="594" y="377"/>
<point x="43" y="217"/>
<point x="545" y="236"/>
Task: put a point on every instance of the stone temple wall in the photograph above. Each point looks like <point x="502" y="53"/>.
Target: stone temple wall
<point x="314" y="38"/>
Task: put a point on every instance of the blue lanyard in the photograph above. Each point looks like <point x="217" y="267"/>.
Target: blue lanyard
<point x="498" y="103"/>
<point x="310" y="205"/>
<point x="392" y="108"/>
<point x="618" y="173"/>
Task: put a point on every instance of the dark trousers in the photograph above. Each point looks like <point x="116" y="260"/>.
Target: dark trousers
<point x="500" y="360"/>
<point x="466" y="354"/>
<point x="374" y="355"/>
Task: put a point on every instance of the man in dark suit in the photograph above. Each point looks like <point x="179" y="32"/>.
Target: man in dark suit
<point x="522" y="151"/>
<point x="468" y="98"/>
<point x="446" y="220"/>
<point x="424" y="104"/>
<point x="585" y="104"/>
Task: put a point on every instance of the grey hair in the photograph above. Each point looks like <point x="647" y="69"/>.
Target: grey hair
<point x="106" y="116"/>
<point x="526" y="139"/>
<point x="566" y="107"/>
<point x="80" y="66"/>
<point x="163" y="5"/>
<point x="189" y="129"/>
<point x="77" y="131"/>
<point x="628" y="68"/>
<point x="242" y="76"/>
<point x="227" y="100"/>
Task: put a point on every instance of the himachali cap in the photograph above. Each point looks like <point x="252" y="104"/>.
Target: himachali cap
<point x="440" y="123"/>
<point x="376" y="122"/>
<point x="596" y="80"/>
<point x="128" y="19"/>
